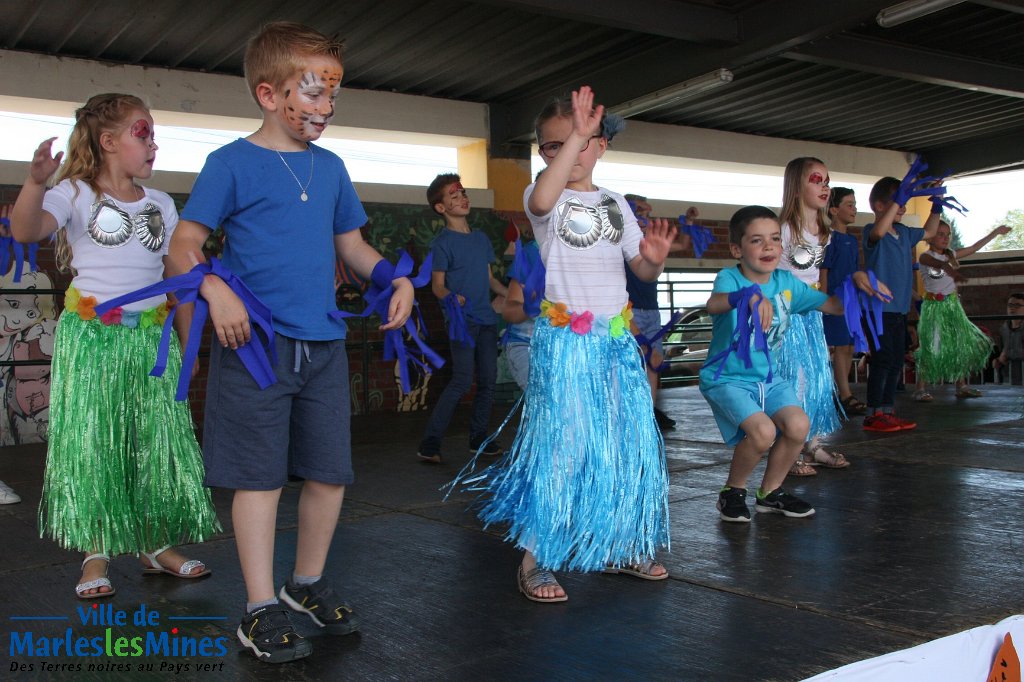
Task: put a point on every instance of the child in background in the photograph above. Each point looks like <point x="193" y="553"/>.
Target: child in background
<point x="755" y="408"/>
<point x="951" y="346"/>
<point x="522" y="304"/>
<point x="646" y="311"/>
<point x="584" y="486"/>
<point x="284" y="235"/>
<point x="1011" y="354"/>
<point x="462" y="261"/>
<point x="124" y="473"/>
<point x="842" y="256"/>
<point x="803" y="356"/>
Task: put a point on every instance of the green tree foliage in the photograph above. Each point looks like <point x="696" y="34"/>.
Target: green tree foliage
<point x="1015" y="239"/>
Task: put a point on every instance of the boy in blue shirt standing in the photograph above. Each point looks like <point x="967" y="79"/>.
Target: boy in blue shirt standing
<point x="461" y="267"/>
<point x="288" y="209"/>
<point x="755" y="409"/>
<point x="889" y="251"/>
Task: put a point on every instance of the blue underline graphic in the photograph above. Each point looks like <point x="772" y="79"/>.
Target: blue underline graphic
<point x="197" y="617"/>
<point x="39" y="617"/>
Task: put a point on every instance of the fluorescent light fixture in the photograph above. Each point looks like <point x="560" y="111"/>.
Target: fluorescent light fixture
<point x="673" y="94"/>
<point x="910" y="10"/>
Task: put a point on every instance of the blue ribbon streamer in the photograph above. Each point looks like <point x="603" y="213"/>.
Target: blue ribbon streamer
<point x="457" y="328"/>
<point x="258" y="356"/>
<point x="858" y="305"/>
<point x="531" y="278"/>
<point x="700" y="236"/>
<point x="642" y="340"/>
<point x="950" y="203"/>
<point x="8" y="244"/>
<point x="640" y="220"/>
<point x="378" y="299"/>
<point x="748" y="324"/>
<point x="914" y="186"/>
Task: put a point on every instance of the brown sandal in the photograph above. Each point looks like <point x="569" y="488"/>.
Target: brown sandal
<point x="644" y="570"/>
<point x="802" y="468"/>
<point x="853" y="406"/>
<point x="827" y="459"/>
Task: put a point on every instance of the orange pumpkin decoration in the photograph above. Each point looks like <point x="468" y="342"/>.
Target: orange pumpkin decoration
<point x="1006" y="667"/>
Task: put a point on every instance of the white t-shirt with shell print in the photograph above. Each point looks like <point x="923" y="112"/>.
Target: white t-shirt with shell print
<point x="117" y="247"/>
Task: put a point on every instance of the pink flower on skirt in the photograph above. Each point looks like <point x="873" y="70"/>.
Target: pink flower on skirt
<point x="582" y="322"/>
<point x="112" y="316"/>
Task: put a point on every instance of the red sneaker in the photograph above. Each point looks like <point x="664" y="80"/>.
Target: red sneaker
<point x="881" y="422"/>
<point x="904" y="424"/>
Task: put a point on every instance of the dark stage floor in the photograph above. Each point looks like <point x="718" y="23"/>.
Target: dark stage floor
<point x="919" y="538"/>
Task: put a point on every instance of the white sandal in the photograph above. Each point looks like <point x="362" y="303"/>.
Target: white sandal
<point x="82" y="588"/>
<point x="156" y="568"/>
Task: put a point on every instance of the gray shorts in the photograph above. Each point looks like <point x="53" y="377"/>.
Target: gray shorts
<point x="253" y="439"/>
<point x="518" y="357"/>
<point x="648" y="322"/>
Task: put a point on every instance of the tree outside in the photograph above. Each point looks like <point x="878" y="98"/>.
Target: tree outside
<point x="1015" y="238"/>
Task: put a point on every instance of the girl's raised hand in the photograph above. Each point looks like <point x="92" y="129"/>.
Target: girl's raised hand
<point x="43" y="164"/>
<point x="586" y="120"/>
<point x="657" y="241"/>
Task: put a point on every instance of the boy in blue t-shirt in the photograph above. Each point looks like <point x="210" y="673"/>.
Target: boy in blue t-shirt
<point x="461" y="267"/>
<point x="288" y="210"/>
<point x="889" y="251"/>
<point x="753" y="412"/>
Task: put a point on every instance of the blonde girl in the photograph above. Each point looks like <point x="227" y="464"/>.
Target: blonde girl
<point x="124" y="473"/>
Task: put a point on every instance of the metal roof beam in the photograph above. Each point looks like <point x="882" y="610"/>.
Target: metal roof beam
<point x="912" y="63"/>
<point x="979" y="154"/>
<point x="667" y="18"/>
<point x="766" y="29"/>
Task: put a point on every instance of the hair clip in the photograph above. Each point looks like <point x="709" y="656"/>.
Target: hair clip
<point x="612" y="125"/>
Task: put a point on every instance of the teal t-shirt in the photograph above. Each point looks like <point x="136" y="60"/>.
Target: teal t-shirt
<point x="788" y="295"/>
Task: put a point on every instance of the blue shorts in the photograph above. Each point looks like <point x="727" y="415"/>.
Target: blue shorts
<point x="253" y="439"/>
<point x="648" y="323"/>
<point x="517" y="355"/>
<point x="733" y="402"/>
<point x="836" y="331"/>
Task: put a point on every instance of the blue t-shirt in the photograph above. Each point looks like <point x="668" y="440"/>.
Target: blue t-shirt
<point x="842" y="256"/>
<point x="892" y="259"/>
<point x="464" y="260"/>
<point x="280" y="246"/>
<point x="521" y="332"/>
<point x="643" y="295"/>
<point x="789" y="296"/>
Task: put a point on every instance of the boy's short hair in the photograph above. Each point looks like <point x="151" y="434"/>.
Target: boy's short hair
<point x="743" y="217"/>
<point x="883" y="191"/>
<point x="1018" y="295"/>
<point x="275" y="53"/>
<point x="837" y="196"/>
<point x="435" y="193"/>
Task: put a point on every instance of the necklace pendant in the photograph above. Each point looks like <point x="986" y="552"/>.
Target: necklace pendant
<point x="304" y="196"/>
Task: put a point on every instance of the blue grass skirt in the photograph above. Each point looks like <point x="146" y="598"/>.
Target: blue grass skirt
<point x="951" y="345"/>
<point x="803" y="359"/>
<point x="585" y="483"/>
<point x="124" y="473"/>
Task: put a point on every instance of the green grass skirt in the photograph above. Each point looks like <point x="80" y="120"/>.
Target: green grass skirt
<point x="951" y="346"/>
<point x="124" y="472"/>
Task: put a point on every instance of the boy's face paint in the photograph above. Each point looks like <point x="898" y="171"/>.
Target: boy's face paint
<point x="308" y="102"/>
<point x="456" y="200"/>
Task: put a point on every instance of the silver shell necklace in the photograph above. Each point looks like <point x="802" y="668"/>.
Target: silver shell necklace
<point x="302" y="189"/>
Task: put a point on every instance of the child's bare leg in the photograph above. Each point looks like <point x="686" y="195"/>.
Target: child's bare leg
<point x="254" y="515"/>
<point x="760" y="433"/>
<point x="794" y="425"/>
<point x="544" y="591"/>
<point x="842" y="360"/>
<point x="319" y="507"/>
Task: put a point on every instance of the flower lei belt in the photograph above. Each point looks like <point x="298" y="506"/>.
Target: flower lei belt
<point x="928" y="296"/>
<point x="558" y="315"/>
<point x="85" y="308"/>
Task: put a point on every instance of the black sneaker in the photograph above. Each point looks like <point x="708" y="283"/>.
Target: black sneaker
<point x="492" y="449"/>
<point x="664" y="421"/>
<point x="779" y="501"/>
<point x="269" y="634"/>
<point x="322" y="604"/>
<point x="732" y="505"/>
